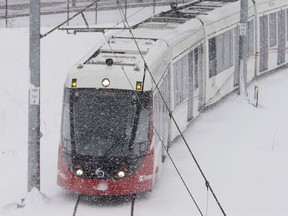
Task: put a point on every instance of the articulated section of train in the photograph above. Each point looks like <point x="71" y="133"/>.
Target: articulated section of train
<point x="118" y="100"/>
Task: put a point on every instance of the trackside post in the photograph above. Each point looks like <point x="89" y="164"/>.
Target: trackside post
<point x="243" y="47"/>
<point x="34" y="98"/>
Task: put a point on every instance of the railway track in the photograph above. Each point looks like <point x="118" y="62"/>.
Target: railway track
<point x="122" y="201"/>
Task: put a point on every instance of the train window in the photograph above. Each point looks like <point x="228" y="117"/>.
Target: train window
<point x="272" y="29"/>
<point x="263" y="25"/>
<point x="177" y="67"/>
<point x="287" y="24"/>
<point x="103" y="123"/>
<point x="66" y="141"/>
<point x="196" y="66"/>
<point x="220" y="53"/>
<point x="251" y="37"/>
<point x="191" y="68"/>
<point x="180" y="71"/>
<point x="221" y="58"/>
<point x="212" y="57"/>
<point x="185" y="76"/>
<point x="161" y="112"/>
<point x="200" y="63"/>
<point x="228" y="49"/>
<point x="142" y="132"/>
<point x="281" y="37"/>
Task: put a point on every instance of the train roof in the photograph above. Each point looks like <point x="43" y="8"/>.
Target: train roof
<point x="155" y="36"/>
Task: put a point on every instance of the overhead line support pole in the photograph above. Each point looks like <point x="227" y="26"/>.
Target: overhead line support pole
<point x="125" y="9"/>
<point x="6" y="13"/>
<point x="243" y="48"/>
<point x="96" y="9"/>
<point x="68" y="11"/>
<point x="34" y="98"/>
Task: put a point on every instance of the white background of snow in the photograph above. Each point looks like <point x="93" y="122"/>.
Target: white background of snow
<point x="242" y="149"/>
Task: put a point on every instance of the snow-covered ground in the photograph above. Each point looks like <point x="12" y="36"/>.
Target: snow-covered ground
<point x="241" y="149"/>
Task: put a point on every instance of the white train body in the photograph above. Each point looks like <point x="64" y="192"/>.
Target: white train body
<point x="192" y="55"/>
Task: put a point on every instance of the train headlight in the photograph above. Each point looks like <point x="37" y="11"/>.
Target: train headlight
<point x="121" y="174"/>
<point x="105" y="82"/>
<point x="79" y="172"/>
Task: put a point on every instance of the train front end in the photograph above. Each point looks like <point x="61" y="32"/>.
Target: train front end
<point x="106" y="133"/>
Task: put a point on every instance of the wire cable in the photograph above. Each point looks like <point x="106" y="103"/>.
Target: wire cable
<point x="174" y="121"/>
<point x="61" y="24"/>
<point x="155" y="130"/>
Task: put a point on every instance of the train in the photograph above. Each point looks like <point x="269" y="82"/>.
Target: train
<point x="119" y="98"/>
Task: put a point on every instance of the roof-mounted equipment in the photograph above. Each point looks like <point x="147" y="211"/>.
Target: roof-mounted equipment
<point x="109" y="62"/>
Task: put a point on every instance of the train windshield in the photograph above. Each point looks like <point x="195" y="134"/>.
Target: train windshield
<point x="105" y="123"/>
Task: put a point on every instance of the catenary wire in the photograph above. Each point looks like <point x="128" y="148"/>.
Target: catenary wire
<point x="173" y="119"/>
<point x="156" y="131"/>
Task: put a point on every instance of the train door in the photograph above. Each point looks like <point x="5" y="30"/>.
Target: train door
<point x="281" y="37"/>
<point x="263" y="43"/>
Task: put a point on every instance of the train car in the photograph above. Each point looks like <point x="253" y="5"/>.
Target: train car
<point x="119" y="99"/>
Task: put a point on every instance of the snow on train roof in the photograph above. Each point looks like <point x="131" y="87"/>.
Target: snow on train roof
<point x="122" y="50"/>
<point x="164" y="26"/>
<point x="186" y="12"/>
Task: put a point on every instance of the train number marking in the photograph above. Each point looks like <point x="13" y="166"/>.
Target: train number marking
<point x="34" y="95"/>
<point x="145" y="177"/>
<point x="243" y="29"/>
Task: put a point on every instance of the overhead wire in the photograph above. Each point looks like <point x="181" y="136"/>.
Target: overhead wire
<point x="67" y="20"/>
<point x="124" y="20"/>
<point x="207" y="183"/>
<point x="155" y="130"/>
<point x="81" y="12"/>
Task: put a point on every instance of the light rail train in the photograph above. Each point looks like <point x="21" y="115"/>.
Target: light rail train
<point x="114" y="121"/>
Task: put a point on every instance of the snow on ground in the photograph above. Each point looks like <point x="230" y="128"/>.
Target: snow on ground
<point x="241" y="149"/>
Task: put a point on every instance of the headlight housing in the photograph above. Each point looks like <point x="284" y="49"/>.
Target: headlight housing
<point x="78" y="170"/>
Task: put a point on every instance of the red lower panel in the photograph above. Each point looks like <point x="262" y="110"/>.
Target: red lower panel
<point x="141" y="180"/>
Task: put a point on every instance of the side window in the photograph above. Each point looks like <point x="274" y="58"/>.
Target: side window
<point x="272" y="30"/>
<point x="191" y="68"/>
<point x="196" y="66"/>
<point x="177" y="67"/>
<point x="220" y="53"/>
<point x="180" y="71"/>
<point x="66" y="122"/>
<point x="160" y="110"/>
<point x="228" y="49"/>
<point x="212" y="57"/>
<point x="200" y="64"/>
<point x="287" y="24"/>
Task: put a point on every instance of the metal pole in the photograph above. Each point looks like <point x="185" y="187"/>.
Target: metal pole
<point x="154" y="4"/>
<point x="243" y="48"/>
<point x="6" y="13"/>
<point x="34" y="98"/>
<point x="68" y="11"/>
<point x="125" y="9"/>
<point x="96" y="10"/>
